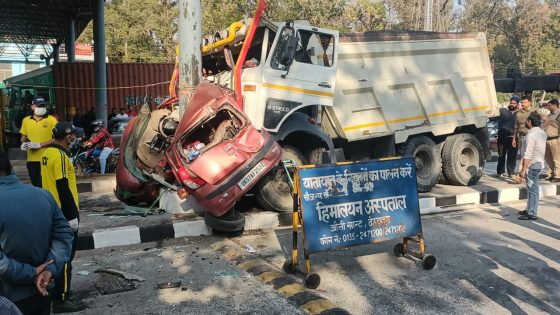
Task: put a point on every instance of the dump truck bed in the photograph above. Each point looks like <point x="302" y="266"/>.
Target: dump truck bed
<point x="405" y="83"/>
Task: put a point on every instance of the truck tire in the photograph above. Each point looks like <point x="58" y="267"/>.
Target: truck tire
<point x="428" y="161"/>
<point x="231" y="222"/>
<point x="274" y="192"/>
<point x="463" y="160"/>
<point x="441" y="179"/>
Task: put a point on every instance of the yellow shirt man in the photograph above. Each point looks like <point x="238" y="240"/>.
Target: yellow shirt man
<point x="58" y="177"/>
<point x="36" y="133"/>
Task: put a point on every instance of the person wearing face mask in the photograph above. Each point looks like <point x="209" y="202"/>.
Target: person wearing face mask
<point x="59" y="179"/>
<point x="35" y="135"/>
<point x="505" y="139"/>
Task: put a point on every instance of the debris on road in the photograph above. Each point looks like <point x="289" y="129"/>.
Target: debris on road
<point x="124" y="274"/>
<point x="250" y="249"/>
<point x="83" y="273"/>
<point x="169" y="285"/>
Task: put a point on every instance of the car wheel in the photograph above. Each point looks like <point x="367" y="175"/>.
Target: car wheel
<point x="463" y="159"/>
<point x="274" y="191"/>
<point x="231" y="222"/>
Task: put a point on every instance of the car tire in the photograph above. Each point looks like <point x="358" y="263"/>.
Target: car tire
<point x="462" y="158"/>
<point x="231" y="222"/>
<point x="274" y="192"/>
<point x="428" y="162"/>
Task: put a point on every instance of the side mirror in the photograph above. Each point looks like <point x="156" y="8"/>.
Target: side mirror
<point x="289" y="52"/>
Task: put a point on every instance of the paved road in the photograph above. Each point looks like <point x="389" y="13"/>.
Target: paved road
<point x="212" y="285"/>
<point x="488" y="262"/>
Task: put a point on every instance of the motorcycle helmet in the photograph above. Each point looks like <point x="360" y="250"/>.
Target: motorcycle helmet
<point x="97" y="124"/>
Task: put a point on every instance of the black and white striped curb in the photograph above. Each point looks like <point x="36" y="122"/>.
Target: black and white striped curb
<point x="129" y="235"/>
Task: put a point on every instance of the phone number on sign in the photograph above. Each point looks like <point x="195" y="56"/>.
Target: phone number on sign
<point x="364" y="235"/>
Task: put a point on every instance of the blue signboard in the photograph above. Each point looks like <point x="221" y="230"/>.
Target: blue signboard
<point x="359" y="203"/>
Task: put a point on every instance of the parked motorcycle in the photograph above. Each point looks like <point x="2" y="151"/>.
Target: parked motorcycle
<point x="86" y="160"/>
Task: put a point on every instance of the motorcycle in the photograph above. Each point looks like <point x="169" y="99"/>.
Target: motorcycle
<point x="86" y="160"/>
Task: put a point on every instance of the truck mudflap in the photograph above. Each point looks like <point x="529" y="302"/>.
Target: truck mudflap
<point x="299" y="122"/>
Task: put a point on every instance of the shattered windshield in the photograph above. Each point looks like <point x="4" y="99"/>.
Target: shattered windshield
<point x="282" y="42"/>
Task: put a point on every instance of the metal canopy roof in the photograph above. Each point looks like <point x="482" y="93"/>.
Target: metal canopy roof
<point x="33" y="22"/>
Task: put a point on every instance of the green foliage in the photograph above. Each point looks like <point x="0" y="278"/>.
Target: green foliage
<point x="523" y="34"/>
<point x="139" y="30"/>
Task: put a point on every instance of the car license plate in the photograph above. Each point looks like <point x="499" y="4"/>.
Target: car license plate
<point x="252" y="175"/>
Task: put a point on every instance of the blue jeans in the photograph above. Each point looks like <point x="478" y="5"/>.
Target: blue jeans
<point x="533" y="188"/>
<point x="103" y="159"/>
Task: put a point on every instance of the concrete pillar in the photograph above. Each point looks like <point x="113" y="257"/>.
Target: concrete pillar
<point x="55" y="52"/>
<point x="71" y="40"/>
<point x="100" y="67"/>
<point x="190" y="55"/>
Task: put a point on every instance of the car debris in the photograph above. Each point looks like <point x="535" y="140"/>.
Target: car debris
<point x="169" y="285"/>
<point x="123" y="274"/>
<point x="213" y="153"/>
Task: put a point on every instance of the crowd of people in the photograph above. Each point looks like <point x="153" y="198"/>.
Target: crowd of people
<point x="38" y="235"/>
<point x="533" y="135"/>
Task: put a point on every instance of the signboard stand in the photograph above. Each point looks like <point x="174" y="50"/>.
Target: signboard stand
<point x="349" y="204"/>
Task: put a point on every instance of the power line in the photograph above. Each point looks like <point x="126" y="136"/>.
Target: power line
<point x="87" y="88"/>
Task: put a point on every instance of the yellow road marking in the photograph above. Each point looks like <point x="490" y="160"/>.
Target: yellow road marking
<point x="250" y="264"/>
<point x="400" y="120"/>
<point x="297" y="90"/>
<point x="291" y="289"/>
<point x="268" y="276"/>
<point x="318" y="306"/>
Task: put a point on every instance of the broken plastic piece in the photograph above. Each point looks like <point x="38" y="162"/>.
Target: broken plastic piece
<point x="124" y="274"/>
<point x="250" y="249"/>
<point x="83" y="273"/>
<point x="169" y="284"/>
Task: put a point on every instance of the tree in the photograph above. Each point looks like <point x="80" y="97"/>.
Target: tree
<point x="411" y="14"/>
<point x="517" y="26"/>
<point x="132" y="35"/>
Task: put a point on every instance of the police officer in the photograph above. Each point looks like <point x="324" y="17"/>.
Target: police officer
<point x="520" y="128"/>
<point x="60" y="180"/>
<point x="36" y="133"/>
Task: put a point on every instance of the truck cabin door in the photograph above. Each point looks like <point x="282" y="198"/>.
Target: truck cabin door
<point x="300" y="72"/>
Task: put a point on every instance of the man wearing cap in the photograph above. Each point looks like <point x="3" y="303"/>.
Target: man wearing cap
<point x="552" y="129"/>
<point x="520" y="128"/>
<point x="36" y="133"/>
<point x="505" y="139"/>
<point x="59" y="179"/>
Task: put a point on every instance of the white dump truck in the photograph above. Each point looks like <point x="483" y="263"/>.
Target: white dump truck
<point x="361" y="96"/>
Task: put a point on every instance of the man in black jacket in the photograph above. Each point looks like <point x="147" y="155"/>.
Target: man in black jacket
<point x="35" y="242"/>
<point x="505" y="136"/>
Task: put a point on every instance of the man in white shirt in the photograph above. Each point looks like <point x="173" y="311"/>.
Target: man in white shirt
<point x="532" y="165"/>
<point x="122" y="113"/>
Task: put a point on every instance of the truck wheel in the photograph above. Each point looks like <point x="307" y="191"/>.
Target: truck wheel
<point x="428" y="161"/>
<point x="231" y="222"/>
<point x="441" y="179"/>
<point x="463" y="159"/>
<point x="274" y="192"/>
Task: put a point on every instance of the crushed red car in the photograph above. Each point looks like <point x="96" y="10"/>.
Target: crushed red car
<point x="213" y="153"/>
